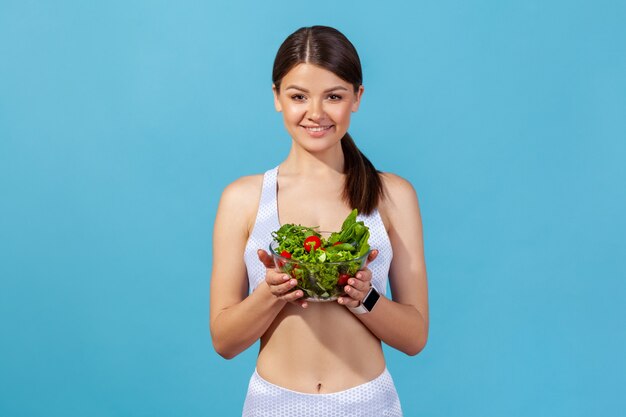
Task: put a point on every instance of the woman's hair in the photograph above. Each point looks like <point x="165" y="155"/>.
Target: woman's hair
<point x="330" y="49"/>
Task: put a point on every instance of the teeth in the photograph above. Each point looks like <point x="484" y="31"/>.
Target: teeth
<point x="318" y="129"/>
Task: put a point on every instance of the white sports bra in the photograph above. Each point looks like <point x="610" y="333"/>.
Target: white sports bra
<point x="267" y="222"/>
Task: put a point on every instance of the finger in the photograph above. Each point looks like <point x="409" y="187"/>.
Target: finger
<point x="362" y="282"/>
<point x="354" y="293"/>
<point x="284" y="288"/>
<point x="276" y="278"/>
<point x="293" y="296"/>
<point x="373" y="255"/>
<point x="265" y="257"/>
<point x="348" y="302"/>
<point x="301" y="302"/>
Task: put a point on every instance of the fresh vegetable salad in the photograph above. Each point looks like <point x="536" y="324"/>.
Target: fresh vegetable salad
<point x="321" y="262"/>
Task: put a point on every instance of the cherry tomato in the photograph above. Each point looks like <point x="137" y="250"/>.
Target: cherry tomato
<point x="343" y="279"/>
<point x="285" y="254"/>
<point x="312" y="242"/>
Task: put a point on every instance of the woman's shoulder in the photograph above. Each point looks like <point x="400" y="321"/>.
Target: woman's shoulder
<point x="395" y="186"/>
<point x="399" y="198"/>
<point x="240" y="201"/>
<point x="243" y="190"/>
<point x="245" y="183"/>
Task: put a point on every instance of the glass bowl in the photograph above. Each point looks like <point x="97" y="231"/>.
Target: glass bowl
<point x="322" y="281"/>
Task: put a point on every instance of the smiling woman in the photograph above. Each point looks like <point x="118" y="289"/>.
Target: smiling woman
<point x="326" y="59"/>
<point x="311" y="110"/>
<point x="319" y="358"/>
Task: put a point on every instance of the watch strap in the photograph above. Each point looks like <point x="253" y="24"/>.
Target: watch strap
<point x="360" y="309"/>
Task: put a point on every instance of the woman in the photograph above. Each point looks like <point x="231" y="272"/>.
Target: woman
<point x="319" y="358"/>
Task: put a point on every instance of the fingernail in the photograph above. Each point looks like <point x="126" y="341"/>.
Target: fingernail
<point x="285" y="277"/>
<point x="293" y="282"/>
<point x="351" y="281"/>
<point x="340" y="300"/>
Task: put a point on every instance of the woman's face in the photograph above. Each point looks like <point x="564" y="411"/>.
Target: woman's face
<point x="316" y="106"/>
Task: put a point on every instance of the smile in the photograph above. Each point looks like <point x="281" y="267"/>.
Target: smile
<point x="317" y="128"/>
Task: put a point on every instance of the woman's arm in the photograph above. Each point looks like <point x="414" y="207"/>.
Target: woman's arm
<point x="403" y="322"/>
<point x="236" y="319"/>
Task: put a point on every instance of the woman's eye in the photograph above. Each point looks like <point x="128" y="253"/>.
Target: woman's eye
<point x="334" y="97"/>
<point x="298" y="97"/>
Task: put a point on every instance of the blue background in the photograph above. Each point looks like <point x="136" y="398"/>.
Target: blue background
<point x="122" y="121"/>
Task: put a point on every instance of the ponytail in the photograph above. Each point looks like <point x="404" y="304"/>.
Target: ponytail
<point x="364" y="187"/>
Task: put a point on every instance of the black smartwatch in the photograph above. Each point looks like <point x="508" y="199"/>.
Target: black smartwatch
<point x="368" y="303"/>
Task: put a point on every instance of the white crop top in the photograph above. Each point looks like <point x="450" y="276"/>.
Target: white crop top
<point x="267" y="222"/>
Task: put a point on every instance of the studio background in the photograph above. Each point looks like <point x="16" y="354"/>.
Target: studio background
<point x="121" y="122"/>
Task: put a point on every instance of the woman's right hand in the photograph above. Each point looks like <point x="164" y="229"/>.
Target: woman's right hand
<point x="280" y="284"/>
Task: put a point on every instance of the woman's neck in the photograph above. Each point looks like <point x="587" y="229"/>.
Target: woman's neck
<point x="322" y="164"/>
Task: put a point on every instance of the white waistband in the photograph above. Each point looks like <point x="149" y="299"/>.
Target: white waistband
<point x="382" y="378"/>
<point x="374" y="398"/>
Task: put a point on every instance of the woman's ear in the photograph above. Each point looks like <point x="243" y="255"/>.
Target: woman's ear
<point x="277" y="105"/>
<point x="357" y="98"/>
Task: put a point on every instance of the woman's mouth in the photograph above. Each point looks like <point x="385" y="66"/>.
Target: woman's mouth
<point x="317" y="131"/>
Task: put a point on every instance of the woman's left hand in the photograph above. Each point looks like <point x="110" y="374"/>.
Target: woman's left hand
<point x="359" y="285"/>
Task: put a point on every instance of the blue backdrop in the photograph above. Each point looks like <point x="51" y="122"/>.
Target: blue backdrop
<point x="122" y="121"/>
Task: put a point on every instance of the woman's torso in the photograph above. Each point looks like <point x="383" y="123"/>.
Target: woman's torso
<point x="324" y="347"/>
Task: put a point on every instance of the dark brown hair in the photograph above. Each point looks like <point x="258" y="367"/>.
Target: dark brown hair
<point x="330" y="49"/>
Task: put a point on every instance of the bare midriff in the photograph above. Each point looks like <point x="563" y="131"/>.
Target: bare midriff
<point x="323" y="348"/>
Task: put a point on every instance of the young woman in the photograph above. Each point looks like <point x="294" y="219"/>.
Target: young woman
<point x="319" y="359"/>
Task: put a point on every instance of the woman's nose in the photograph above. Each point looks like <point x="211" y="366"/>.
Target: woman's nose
<point x="316" y="110"/>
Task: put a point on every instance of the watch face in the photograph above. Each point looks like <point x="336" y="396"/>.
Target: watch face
<point x="371" y="299"/>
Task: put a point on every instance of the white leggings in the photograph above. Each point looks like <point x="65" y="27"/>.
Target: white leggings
<point x="375" y="398"/>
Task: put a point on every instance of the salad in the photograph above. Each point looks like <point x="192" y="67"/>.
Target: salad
<point x="321" y="262"/>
